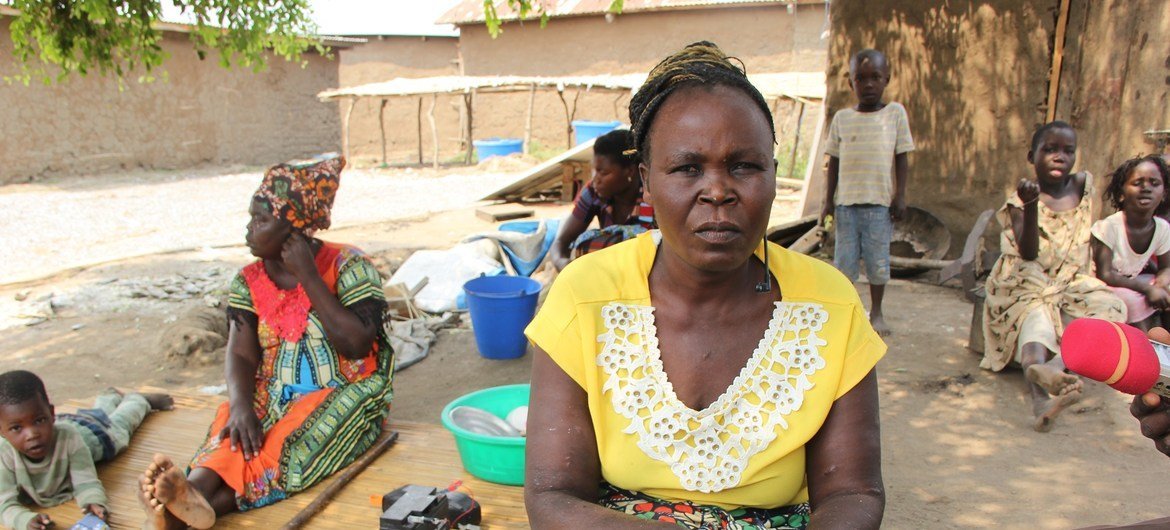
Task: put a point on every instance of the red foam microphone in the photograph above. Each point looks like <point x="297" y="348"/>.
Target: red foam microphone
<point x="1118" y="355"/>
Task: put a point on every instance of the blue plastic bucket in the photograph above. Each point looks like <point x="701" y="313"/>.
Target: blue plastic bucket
<point x="585" y="130"/>
<point x="490" y="147"/>
<point x="501" y="307"/>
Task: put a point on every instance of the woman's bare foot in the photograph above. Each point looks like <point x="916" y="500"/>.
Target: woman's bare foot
<point x="171" y="490"/>
<point x="156" y="513"/>
<point x="1053" y="379"/>
<point x="1048" y="409"/>
<point x="159" y="401"/>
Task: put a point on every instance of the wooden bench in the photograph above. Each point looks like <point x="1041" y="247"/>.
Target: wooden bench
<point x="424" y="454"/>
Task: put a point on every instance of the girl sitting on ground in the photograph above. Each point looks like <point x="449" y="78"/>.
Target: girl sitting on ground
<point x="1043" y="276"/>
<point x="1124" y="242"/>
<point x="614" y="197"/>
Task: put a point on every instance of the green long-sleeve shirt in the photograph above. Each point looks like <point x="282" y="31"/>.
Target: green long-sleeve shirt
<point x="67" y="473"/>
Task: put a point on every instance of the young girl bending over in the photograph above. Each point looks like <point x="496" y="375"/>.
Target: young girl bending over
<point x="1043" y="277"/>
<point x="1124" y="242"/>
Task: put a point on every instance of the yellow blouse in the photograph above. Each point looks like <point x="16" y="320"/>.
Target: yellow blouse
<point x="746" y="448"/>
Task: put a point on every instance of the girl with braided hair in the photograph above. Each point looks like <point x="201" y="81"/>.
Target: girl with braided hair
<point x="697" y="374"/>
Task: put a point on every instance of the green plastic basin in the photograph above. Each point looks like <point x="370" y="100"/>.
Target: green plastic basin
<point x="492" y="458"/>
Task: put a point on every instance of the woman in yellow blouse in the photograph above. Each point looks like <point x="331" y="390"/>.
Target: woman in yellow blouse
<point x="697" y="375"/>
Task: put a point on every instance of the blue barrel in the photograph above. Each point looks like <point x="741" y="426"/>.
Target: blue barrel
<point x="490" y="147"/>
<point x="501" y="307"/>
<point x="585" y="130"/>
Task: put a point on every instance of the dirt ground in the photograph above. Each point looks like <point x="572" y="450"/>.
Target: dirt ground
<point x="958" y="450"/>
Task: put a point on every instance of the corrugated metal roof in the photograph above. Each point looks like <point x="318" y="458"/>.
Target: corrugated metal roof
<point x="382" y="17"/>
<point x="471" y="11"/>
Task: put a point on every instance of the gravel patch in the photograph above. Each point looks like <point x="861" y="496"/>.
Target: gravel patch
<point x="55" y="226"/>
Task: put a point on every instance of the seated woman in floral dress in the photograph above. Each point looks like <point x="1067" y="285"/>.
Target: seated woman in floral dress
<point x="308" y="364"/>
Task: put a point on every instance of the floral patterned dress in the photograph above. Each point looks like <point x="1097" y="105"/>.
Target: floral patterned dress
<point x="319" y="410"/>
<point x="1059" y="281"/>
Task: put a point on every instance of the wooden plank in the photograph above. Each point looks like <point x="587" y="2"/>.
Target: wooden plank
<point x="503" y="212"/>
<point x="546" y="176"/>
<point x="807" y="242"/>
<point x="424" y="454"/>
<point x="1057" y="60"/>
<point x="812" y="195"/>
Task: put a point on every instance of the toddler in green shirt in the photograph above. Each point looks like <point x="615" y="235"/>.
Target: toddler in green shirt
<point x="45" y="460"/>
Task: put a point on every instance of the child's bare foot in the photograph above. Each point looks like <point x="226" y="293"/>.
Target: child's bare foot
<point x="171" y="489"/>
<point x="160" y="401"/>
<point x="113" y="390"/>
<point x="1053" y="379"/>
<point x="879" y="325"/>
<point x="1048" y="409"/>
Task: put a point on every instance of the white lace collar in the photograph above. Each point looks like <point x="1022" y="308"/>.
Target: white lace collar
<point x="708" y="450"/>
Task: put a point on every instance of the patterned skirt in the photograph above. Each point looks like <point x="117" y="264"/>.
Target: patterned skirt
<point x="700" y="516"/>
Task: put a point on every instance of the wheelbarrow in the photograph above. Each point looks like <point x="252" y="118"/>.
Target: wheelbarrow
<point x="919" y="241"/>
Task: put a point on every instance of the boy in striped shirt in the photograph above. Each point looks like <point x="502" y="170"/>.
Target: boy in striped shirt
<point x="866" y="184"/>
<point x="47" y="459"/>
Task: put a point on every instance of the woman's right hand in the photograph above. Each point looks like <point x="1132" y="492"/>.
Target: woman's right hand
<point x="1153" y="413"/>
<point x="243" y="428"/>
<point x="1028" y="191"/>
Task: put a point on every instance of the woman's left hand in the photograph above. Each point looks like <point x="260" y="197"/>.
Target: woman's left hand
<point x="297" y="256"/>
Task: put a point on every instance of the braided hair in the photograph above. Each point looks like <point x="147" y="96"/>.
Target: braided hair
<point x="701" y="63"/>
<point x="1114" y="191"/>
<point x="616" y="146"/>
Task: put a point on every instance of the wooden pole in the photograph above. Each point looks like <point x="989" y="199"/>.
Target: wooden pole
<point x="796" y="141"/>
<point x="528" y="119"/>
<point x="434" y="131"/>
<point x="1057" y="60"/>
<point x="468" y="100"/>
<point x="382" y="129"/>
<point x="345" y="129"/>
<point x="569" y="115"/>
<point x="420" y="157"/>
<point x="341" y="482"/>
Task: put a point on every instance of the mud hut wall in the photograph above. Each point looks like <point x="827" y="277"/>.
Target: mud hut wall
<point x="386" y="57"/>
<point x="973" y="77"/>
<point x="1115" y="80"/>
<point x="199" y="114"/>
<point x="766" y="39"/>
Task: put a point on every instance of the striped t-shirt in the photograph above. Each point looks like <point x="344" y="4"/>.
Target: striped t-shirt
<point x="865" y="144"/>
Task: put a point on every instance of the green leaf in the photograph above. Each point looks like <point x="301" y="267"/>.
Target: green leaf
<point x="120" y="38"/>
